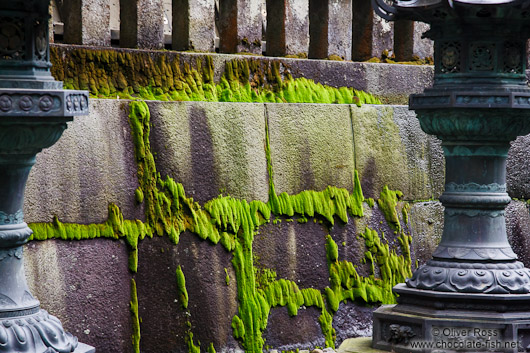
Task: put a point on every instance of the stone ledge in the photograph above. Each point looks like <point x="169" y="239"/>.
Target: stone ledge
<point x="358" y="345"/>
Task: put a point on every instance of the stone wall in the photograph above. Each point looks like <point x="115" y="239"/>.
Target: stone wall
<point x="254" y="153"/>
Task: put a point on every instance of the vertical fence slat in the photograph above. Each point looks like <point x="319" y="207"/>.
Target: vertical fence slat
<point x="403" y="40"/>
<point x="193" y="25"/>
<point x="86" y="21"/>
<point x="371" y="34"/>
<point x="239" y="26"/>
<point x="142" y="24"/>
<point x="287" y="27"/>
<point x="318" y="29"/>
<point x="340" y="29"/>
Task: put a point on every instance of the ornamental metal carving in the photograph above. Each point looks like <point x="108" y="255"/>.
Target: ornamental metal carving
<point x="12" y="38"/>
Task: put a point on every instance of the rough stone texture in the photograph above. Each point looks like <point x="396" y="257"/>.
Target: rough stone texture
<point x="90" y="166"/>
<point x="212" y="304"/>
<point x="517" y="172"/>
<point x="240" y="25"/>
<point x="352" y="320"/>
<point x="212" y="148"/>
<point x="142" y="24"/>
<point x="426" y="220"/>
<point x="86" y="21"/>
<point x="295" y="251"/>
<point x="288" y="333"/>
<point x="423" y="47"/>
<point x="86" y="284"/>
<point x="311" y="146"/>
<point x="391" y="149"/>
<point x="193" y="25"/>
<point x="518" y="229"/>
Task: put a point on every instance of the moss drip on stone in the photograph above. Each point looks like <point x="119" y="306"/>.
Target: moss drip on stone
<point x="234" y="223"/>
<point x="387" y="203"/>
<point x="135" y="318"/>
<point x="156" y="76"/>
<point x="181" y="286"/>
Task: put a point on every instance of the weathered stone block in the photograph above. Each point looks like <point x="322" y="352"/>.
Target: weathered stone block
<point x="92" y="165"/>
<point x="426" y="221"/>
<point x="193" y="25"/>
<point x="212" y="303"/>
<point x="391" y="149"/>
<point x="517" y="173"/>
<point x="311" y="146"/>
<point x="240" y="25"/>
<point x="212" y="148"/>
<point x="142" y="24"/>
<point x="86" y="21"/>
<point x="330" y="28"/>
<point x="86" y="284"/>
<point x="518" y="229"/>
<point x="287" y="27"/>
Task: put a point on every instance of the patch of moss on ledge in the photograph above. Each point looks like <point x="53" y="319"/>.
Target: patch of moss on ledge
<point x="108" y="73"/>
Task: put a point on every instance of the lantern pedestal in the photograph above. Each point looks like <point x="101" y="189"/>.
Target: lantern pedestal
<point x="473" y="294"/>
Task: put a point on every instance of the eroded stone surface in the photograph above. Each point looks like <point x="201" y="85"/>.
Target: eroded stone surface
<point x="518" y="229"/>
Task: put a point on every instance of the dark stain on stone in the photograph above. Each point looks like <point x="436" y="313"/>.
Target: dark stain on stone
<point x="368" y="178"/>
<point x="305" y="264"/>
<point x="352" y="320"/>
<point x="205" y="185"/>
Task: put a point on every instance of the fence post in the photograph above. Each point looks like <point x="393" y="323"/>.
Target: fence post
<point x="85" y="21"/>
<point x="371" y="34"/>
<point x="330" y="29"/>
<point x="142" y="24"/>
<point x="239" y="26"/>
<point x="403" y="40"/>
<point x="193" y="25"/>
<point x="287" y="27"/>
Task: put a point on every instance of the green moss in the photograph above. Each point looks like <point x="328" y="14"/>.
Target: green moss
<point x="139" y="195"/>
<point x="211" y="348"/>
<point x="157" y="76"/>
<point x="387" y="203"/>
<point x="181" y="285"/>
<point x="135" y="319"/>
<point x="227" y="277"/>
<point x="405" y="212"/>
<point x="192" y="348"/>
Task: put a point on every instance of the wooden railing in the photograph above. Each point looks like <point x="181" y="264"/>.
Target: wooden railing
<point x="314" y="28"/>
